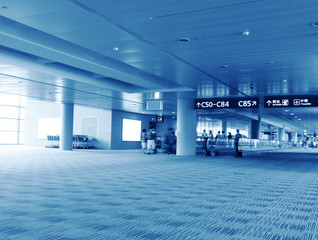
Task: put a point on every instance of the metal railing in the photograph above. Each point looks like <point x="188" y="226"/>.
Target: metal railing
<point x="219" y="146"/>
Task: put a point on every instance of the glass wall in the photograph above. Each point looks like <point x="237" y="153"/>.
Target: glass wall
<point x="208" y="123"/>
<point x="12" y="119"/>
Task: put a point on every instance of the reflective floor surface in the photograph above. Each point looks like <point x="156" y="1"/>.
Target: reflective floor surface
<point x="52" y="194"/>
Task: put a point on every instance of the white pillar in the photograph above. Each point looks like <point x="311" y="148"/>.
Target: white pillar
<point x="66" y="138"/>
<point x="294" y="136"/>
<point x="186" y="127"/>
<point x="281" y="134"/>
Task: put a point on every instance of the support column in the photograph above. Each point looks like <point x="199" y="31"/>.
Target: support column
<point x="186" y="127"/>
<point x="294" y="136"/>
<point x="281" y="134"/>
<point x="256" y="128"/>
<point x="66" y="138"/>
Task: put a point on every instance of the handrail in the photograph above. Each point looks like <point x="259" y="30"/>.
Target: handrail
<point x="244" y="144"/>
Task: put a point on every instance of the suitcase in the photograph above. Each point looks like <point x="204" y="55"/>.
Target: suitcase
<point x="239" y="154"/>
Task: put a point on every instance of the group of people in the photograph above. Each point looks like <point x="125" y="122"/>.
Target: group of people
<point x="148" y="141"/>
<point x="208" y="139"/>
<point x="219" y="137"/>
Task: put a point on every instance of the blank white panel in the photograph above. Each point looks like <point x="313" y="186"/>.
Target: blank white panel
<point x="131" y="130"/>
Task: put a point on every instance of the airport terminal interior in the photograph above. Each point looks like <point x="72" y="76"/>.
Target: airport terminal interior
<point x="159" y="120"/>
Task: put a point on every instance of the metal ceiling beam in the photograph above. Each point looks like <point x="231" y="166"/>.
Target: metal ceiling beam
<point x="65" y="73"/>
<point x="47" y="46"/>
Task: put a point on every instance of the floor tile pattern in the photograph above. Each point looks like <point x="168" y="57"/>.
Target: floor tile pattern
<point x="52" y="194"/>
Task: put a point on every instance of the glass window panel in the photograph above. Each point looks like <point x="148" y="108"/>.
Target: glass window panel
<point x="8" y="124"/>
<point x="22" y="124"/>
<point x="48" y="126"/>
<point x="8" y="137"/>
<point x="21" y="138"/>
<point x="23" y="101"/>
<point x="22" y="113"/>
<point x="131" y="130"/>
<point x="9" y="112"/>
<point x="9" y="99"/>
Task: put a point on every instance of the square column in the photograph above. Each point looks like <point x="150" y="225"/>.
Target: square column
<point x="186" y="127"/>
<point x="256" y="128"/>
<point x="281" y="134"/>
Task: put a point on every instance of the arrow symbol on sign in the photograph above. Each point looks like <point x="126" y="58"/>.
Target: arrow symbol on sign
<point x="269" y="102"/>
<point x="254" y="103"/>
<point x="198" y="104"/>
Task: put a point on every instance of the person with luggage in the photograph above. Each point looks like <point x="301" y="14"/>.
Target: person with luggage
<point x="236" y="142"/>
<point x="151" y="143"/>
<point x="204" y="138"/>
<point x="210" y="140"/>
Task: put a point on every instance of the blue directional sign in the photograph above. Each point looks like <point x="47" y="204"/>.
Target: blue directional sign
<point x="290" y="101"/>
<point x="223" y="103"/>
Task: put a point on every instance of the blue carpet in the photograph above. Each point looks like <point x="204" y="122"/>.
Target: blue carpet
<point x="51" y="194"/>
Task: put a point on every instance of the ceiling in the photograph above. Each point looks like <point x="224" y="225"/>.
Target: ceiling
<point x="117" y="54"/>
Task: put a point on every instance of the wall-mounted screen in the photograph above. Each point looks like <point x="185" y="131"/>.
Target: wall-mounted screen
<point x="131" y="130"/>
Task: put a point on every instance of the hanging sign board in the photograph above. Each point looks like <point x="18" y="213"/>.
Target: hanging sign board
<point x="290" y="101"/>
<point x="223" y="103"/>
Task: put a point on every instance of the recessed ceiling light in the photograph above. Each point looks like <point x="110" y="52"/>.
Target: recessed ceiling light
<point x="296" y="117"/>
<point x="292" y="114"/>
<point x="315" y="24"/>
<point x="286" y="110"/>
<point x="285" y="80"/>
<point x="245" y="33"/>
<point x="115" y="48"/>
<point x="223" y="66"/>
<point x="299" y="118"/>
<point x="151" y="18"/>
<point x="184" y="39"/>
<point x="173" y="112"/>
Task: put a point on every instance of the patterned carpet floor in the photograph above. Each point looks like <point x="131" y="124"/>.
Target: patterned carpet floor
<point x="52" y="194"/>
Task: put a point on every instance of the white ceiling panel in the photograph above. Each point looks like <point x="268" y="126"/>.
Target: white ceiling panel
<point x="124" y="51"/>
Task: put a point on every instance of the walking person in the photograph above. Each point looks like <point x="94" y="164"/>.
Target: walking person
<point x="151" y="143"/>
<point x="229" y="139"/>
<point x="174" y="143"/>
<point x="144" y="141"/>
<point x="210" y="142"/>
<point x="236" y="142"/>
<point x="204" y="138"/>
